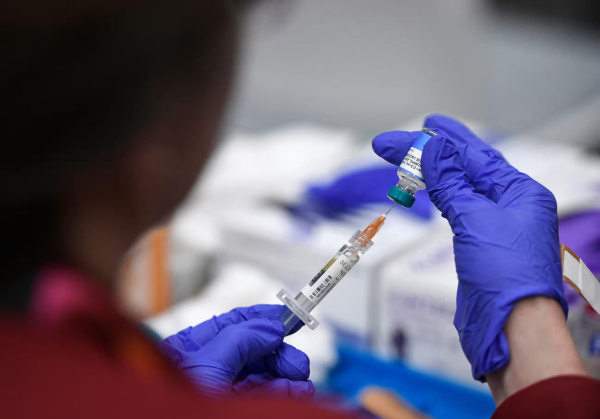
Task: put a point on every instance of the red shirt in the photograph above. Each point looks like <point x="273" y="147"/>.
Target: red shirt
<point x="76" y="356"/>
<point x="558" y="397"/>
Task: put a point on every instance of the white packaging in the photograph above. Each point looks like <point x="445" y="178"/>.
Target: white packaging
<point x="417" y="301"/>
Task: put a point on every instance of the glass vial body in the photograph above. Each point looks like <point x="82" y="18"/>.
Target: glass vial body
<point x="409" y="173"/>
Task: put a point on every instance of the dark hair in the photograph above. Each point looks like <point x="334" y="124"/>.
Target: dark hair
<point x="76" y="82"/>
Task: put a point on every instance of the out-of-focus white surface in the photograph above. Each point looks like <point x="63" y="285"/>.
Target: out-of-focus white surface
<point x="245" y="171"/>
<point x="241" y="285"/>
<point x="537" y="71"/>
<point x="578" y="125"/>
<point x="370" y="65"/>
<point x="276" y="163"/>
<point x="362" y="64"/>
<point x="571" y="173"/>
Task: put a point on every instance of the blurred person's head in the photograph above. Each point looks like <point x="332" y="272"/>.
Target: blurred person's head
<point x="110" y="108"/>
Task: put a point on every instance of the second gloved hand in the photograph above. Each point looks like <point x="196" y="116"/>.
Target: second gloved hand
<point x="505" y="228"/>
<point x="241" y="352"/>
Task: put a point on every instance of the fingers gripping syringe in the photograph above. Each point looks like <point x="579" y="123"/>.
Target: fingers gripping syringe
<point x="299" y="307"/>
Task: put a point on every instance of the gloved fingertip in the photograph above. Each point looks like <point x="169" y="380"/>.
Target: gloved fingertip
<point x="236" y="316"/>
<point x="267" y="324"/>
<point x="440" y="121"/>
<point x="240" y="343"/>
<point x="274" y="330"/>
<point x="302" y="389"/>
<point x="289" y="362"/>
<point x="298" y="326"/>
<point x="431" y="156"/>
<point x="393" y="145"/>
<point x="267" y="311"/>
<point x="279" y="387"/>
<point x="280" y="327"/>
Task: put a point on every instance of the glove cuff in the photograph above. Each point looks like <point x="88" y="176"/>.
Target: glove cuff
<point x="494" y="357"/>
<point x="494" y="352"/>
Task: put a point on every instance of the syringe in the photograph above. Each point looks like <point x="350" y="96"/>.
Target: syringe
<point x="299" y="308"/>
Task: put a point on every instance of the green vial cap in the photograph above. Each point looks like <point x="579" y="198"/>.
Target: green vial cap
<point x="401" y="197"/>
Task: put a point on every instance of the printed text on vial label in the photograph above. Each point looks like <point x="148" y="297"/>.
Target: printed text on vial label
<point x="412" y="162"/>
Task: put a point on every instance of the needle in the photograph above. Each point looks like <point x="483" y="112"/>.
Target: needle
<point x="388" y="211"/>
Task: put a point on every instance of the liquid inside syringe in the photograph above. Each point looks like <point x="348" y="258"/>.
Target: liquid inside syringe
<point x="300" y="306"/>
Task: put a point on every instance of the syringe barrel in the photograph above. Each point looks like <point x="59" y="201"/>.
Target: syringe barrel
<point x="322" y="284"/>
<point x="300" y="306"/>
<point x="314" y="292"/>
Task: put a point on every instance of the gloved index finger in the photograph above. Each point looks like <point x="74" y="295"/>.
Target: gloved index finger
<point x="457" y="130"/>
<point x="207" y="330"/>
<point x="267" y="385"/>
<point x="285" y="362"/>
<point x="454" y="169"/>
<point x="393" y="145"/>
<point x="447" y="182"/>
<point x="486" y="169"/>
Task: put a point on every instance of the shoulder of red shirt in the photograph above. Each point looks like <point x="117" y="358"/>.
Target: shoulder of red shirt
<point x="76" y="355"/>
<point x="49" y="375"/>
<point x="566" y="396"/>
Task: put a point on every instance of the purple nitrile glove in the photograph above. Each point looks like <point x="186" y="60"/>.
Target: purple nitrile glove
<point x="241" y="352"/>
<point x="505" y="228"/>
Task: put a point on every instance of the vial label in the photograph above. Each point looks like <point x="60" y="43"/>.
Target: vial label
<point x="412" y="161"/>
<point x="329" y="279"/>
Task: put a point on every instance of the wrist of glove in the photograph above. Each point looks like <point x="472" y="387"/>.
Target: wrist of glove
<point x="505" y="233"/>
<point x="241" y="352"/>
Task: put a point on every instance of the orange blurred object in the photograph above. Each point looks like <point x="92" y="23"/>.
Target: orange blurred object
<point x="145" y="287"/>
<point x="372" y="229"/>
<point x="387" y="405"/>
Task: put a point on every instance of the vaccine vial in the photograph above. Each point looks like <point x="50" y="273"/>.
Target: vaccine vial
<point x="409" y="172"/>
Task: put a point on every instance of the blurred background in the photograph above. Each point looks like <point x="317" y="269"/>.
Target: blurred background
<point x="295" y="176"/>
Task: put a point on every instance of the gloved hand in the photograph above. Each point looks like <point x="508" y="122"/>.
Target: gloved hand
<point x="505" y="228"/>
<point x="241" y="352"/>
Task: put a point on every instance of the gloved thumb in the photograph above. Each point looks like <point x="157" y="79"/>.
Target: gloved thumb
<point x="264" y="384"/>
<point x="233" y="347"/>
<point x="393" y="145"/>
<point x="285" y="362"/>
